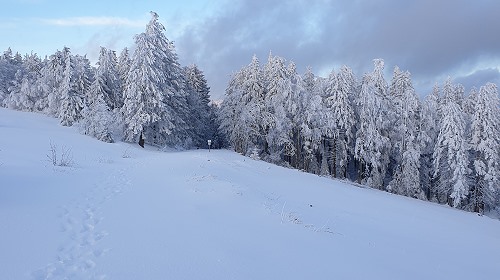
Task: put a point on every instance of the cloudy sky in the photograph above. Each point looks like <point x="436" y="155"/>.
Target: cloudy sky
<point x="432" y="39"/>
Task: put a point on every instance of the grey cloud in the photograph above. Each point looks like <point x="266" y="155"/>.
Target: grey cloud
<point x="480" y="78"/>
<point x="429" y="38"/>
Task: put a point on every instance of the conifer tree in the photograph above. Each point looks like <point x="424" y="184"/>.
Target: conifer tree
<point x="231" y="112"/>
<point x="277" y="98"/>
<point x="342" y="118"/>
<point x="123" y="68"/>
<point x="108" y="79"/>
<point x="155" y="103"/>
<point x="198" y="100"/>
<point x="485" y="146"/>
<point x="244" y="106"/>
<point x="97" y="119"/>
<point x="372" y="142"/>
<point x="8" y="69"/>
<point x="405" y="103"/>
<point x="295" y="108"/>
<point x="450" y="153"/>
<point x="427" y="137"/>
<point x="70" y="97"/>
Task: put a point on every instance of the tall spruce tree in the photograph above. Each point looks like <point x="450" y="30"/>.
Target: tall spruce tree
<point x="342" y="119"/>
<point x="278" y="94"/>
<point x="124" y="62"/>
<point x="71" y="96"/>
<point x="372" y="140"/>
<point x="108" y="79"/>
<point x="450" y="153"/>
<point x="231" y="111"/>
<point x="198" y="100"/>
<point x="155" y="102"/>
<point x="8" y="69"/>
<point x="485" y="145"/>
<point x="427" y="137"/>
<point x="405" y="103"/>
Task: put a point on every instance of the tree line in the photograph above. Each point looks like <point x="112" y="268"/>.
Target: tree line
<point x="445" y="148"/>
<point x="145" y="94"/>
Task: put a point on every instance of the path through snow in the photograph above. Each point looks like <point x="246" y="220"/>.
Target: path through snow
<point x="78" y="254"/>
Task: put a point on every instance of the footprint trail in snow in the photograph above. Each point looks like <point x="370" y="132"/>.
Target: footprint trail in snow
<point x="78" y="255"/>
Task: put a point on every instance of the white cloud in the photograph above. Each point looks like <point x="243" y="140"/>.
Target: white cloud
<point x="95" y="21"/>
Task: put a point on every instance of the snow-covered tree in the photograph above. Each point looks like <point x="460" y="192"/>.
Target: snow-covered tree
<point x="124" y="62"/>
<point x="71" y="100"/>
<point x="427" y="137"/>
<point x="450" y="153"/>
<point x="155" y="103"/>
<point x="310" y="123"/>
<point x="198" y="101"/>
<point x="277" y="102"/>
<point x="214" y="133"/>
<point x="372" y="142"/>
<point x="24" y="90"/>
<point x="97" y="115"/>
<point x="97" y="119"/>
<point x="405" y="103"/>
<point x="52" y="79"/>
<point x="230" y="112"/>
<point x="244" y="118"/>
<point x="295" y="108"/>
<point x="341" y="118"/>
<point x="143" y="100"/>
<point x="8" y="69"/>
<point x="108" y="79"/>
<point x="485" y="144"/>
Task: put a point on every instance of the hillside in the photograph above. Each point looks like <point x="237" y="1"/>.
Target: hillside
<point x="122" y="212"/>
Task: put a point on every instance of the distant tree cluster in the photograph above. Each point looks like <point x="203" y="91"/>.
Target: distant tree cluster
<point x="445" y="149"/>
<point x="144" y="94"/>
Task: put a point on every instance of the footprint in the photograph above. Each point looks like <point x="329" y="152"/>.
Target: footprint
<point x="89" y="264"/>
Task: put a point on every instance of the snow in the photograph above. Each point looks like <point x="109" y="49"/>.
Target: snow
<point x="123" y="212"/>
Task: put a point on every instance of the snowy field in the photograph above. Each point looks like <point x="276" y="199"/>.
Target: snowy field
<point x="123" y="212"/>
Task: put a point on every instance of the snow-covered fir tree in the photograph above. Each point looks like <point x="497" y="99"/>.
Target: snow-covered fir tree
<point x="427" y="137"/>
<point x="22" y="90"/>
<point x="155" y="102"/>
<point x="485" y="146"/>
<point x="243" y="117"/>
<point x="342" y="119"/>
<point x="296" y="107"/>
<point x="71" y="97"/>
<point x="107" y="77"/>
<point x="97" y="113"/>
<point x="310" y="123"/>
<point x="328" y="123"/>
<point x="97" y="119"/>
<point x="8" y="69"/>
<point x="451" y="150"/>
<point x="372" y="142"/>
<point x="53" y="76"/>
<point x="123" y="68"/>
<point x="278" y="95"/>
<point x="292" y="103"/>
<point x="255" y="120"/>
<point x="406" y="105"/>
<point x="198" y="101"/>
<point x="230" y="112"/>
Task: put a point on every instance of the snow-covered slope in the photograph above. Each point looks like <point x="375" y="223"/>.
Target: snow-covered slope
<point x="122" y="212"/>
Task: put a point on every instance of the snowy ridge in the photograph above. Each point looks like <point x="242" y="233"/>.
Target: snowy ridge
<point x="122" y="212"/>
